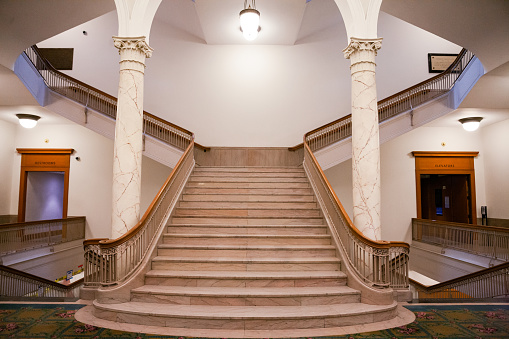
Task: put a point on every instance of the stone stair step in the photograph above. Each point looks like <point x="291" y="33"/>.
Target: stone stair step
<point x="245" y="317"/>
<point x="234" y="174"/>
<point x="258" y="251"/>
<point x="245" y="264"/>
<point x="246" y="278"/>
<point x="249" y="239"/>
<point x="245" y="221"/>
<point x="248" y="169"/>
<point x="244" y="296"/>
<point x="227" y="179"/>
<point x="247" y="205"/>
<point x="197" y="189"/>
<point x="247" y="198"/>
<point x="243" y="229"/>
<point x="243" y="212"/>
<point x="277" y="184"/>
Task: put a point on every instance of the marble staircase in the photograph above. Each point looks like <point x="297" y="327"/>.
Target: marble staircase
<point x="246" y="254"/>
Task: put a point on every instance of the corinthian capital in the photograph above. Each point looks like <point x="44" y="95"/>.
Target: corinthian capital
<point x="362" y="45"/>
<point x="138" y="43"/>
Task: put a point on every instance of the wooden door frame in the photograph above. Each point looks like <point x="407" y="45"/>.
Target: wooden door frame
<point x="445" y="163"/>
<point x="43" y="160"/>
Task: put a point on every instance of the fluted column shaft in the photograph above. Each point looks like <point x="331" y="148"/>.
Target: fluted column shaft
<point x="365" y="137"/>
<point x="128" y="134"/>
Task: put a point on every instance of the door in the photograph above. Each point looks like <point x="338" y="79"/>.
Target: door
<point x="446" y="197"/>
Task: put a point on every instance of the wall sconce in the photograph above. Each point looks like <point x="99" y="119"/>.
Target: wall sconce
<point x="249" y="20"/>
<point x="28" y="120"/>
<point x="470" y="124"/>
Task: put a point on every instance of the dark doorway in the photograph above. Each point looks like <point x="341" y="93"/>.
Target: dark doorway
<point x="446" y="197"/>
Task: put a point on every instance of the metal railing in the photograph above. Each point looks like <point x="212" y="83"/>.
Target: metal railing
<point x="377" y="263"/>
<point x="489" y="283"/>
<point x="394" y="105"/>
<point x="24" y="236"/>
<point x="491" y="242"/>
<point x="104" y="103"/>
<point x="18" y="285"/>
<point x="109" y="262"/>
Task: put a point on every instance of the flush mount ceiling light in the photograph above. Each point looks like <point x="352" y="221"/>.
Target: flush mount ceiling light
<point x="28" y="120"/>
<point x="249" y="20"/>
<point x="470" y="124"/>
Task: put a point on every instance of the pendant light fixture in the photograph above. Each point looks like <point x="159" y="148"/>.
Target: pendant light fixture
<point x="470" y="124"/>
<point x="249" y="20"/>
<point x="28" y="120"/>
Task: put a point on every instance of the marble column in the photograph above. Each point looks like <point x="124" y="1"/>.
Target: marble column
<point x="128" y="134"/>
<point x="365" y="136"/>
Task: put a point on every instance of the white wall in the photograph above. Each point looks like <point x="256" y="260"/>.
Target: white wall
<point x="45" y="195"/>
<point x="7" y="150"/>
<point x="90" y="179"/>
<point x="495" y="139"/>
<point x="397" y="168"/>
<point x="250" y="95"/>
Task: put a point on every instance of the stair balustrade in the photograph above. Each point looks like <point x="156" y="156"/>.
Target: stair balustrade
<point x="109" y="262"/>
<point x="487" y="241"/>
<point x="394" y="105"/>
<point x="489" y="283"/>
<point x="104" y="103"/>
<point x="24" y="236"/>
<point x="19" y="285"/>
<point x="377" y="263"/>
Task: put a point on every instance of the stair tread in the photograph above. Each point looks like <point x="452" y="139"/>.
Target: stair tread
<point x="247" y="274"/>
<point x="199" y="235"/>
<point x="245" y="312"/>
<point x="246" y="226"/>
<point x="246" y="291"/>
<point x="249" y="247"/>
<point x="246" y="260"/>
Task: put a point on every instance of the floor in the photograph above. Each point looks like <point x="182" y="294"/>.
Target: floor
<point x="56" y="320"/>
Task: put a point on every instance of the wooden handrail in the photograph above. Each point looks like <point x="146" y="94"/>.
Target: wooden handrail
<point x="108" y="243"/>
<point x="450" y="69"/>
<point x="30" y="223"/>
<point x="53" y="69"/>
<point x="43" y="280"/>
<point x="374" y="243"/>
<point x="465" y="277"/>
<point x="463" y="225"/>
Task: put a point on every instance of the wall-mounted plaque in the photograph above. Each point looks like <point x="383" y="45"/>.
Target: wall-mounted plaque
<point x="437" y="63"/>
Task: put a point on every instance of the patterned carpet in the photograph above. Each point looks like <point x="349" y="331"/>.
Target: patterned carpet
<point x="447" y="321"/>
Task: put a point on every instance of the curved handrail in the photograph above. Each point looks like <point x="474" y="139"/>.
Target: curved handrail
<point x="464" y="287"/>
<point x="103" y="102"/>
<point x="110" y="261"/>
<point x="379" y="263"/>
<point x="394" y="105"/>
<point x="27" y="284"/>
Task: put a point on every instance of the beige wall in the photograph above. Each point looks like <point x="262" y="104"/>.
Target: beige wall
<point x="398" y="174"/>
<point x="7" y="133"/>
<point x="90" y="178"/>
<point x="496" y="152"/>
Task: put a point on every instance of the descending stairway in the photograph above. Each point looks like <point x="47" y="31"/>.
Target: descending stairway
<point x="247" y="249"/>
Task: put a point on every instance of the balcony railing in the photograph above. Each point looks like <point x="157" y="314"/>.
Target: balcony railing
<point x="394" y="105"/>
<point x="104" y="103"/>
<point x="112" y="261"/>
<point x="491" y="242"/>
<point x="18" y="285"/>
<point x="486" y="284"/>
<point x="377" y="263"/>
<point x="28" y="235"/>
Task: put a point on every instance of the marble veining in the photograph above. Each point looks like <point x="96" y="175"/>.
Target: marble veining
<point x="365" y="137"/>
<point x="128" y="145"/>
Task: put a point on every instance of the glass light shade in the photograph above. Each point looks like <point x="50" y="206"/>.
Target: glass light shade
<point x="249" y="23"/>
<point x="28" y="120"/>
<point x="470" y="124"/>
